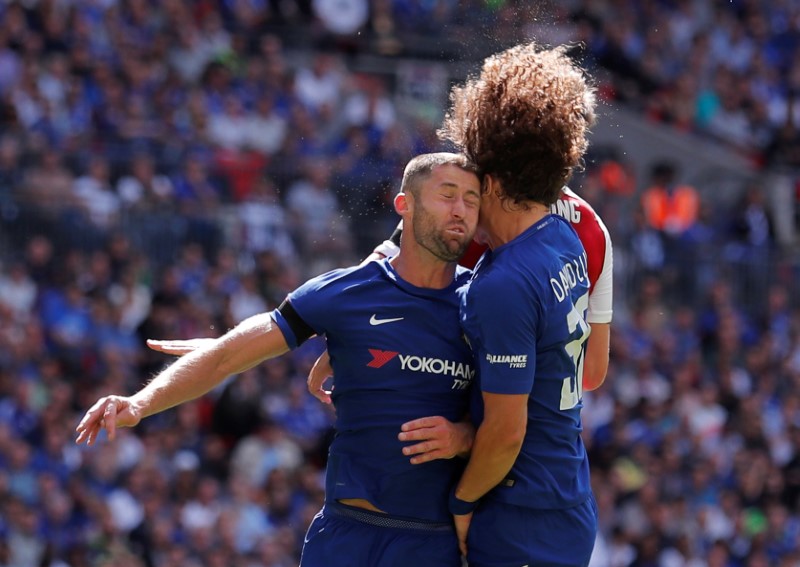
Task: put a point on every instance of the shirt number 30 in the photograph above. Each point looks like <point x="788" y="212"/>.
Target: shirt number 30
<point x="572" y="386"/>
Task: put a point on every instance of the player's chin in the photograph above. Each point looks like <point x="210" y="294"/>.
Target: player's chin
<point x="457" y="247"/>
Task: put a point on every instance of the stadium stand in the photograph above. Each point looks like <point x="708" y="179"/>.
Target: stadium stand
<point x="168" y="168"/>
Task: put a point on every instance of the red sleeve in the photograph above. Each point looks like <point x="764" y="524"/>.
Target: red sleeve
<point x="589" y="227"/>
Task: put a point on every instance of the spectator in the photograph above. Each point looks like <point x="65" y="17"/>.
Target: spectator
<point x="266" y="127"/>
<point x="97" y="195"/>
<point x="369" y="106"/>
<point x="18" y="292"/>
<point x="264" y="222"/>
<point x="48" y="185"/>
<point x="672" y="209"/>
<point x="268" y="448"/>
<point x="669" y="207"/>
<point x="315" y="213"/>
<point x="752" y="224"/>
<point x="143" y="189"/>
<point x="229" y="129"/>
<point x="11" y="174"/>
<point x="198" y="195"/>
<point x="319" y="86"/>
<point x="246" y="301"/>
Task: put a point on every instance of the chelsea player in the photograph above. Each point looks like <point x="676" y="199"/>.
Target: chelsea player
<point x="392" y="334"/>
<point x="525" y="497"/>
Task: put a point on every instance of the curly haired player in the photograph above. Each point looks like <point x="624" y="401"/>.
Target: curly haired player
<point x="525" y="496"/>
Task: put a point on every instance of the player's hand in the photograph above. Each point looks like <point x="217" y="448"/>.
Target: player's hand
<point x="179" y="347"/>
<point x="107" y="413"/>
<point x="462" y="528"/>
<point x="320" y="372"/>
<point x="438" y="437"/>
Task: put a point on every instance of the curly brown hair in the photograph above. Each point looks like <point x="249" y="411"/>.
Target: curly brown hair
<point x="524" y="120"/>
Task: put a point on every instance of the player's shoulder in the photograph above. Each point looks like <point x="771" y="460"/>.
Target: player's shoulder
<point x="578" y="212"/>
<point x="570" y="195"/>
<point x="498" y="272"/>
<point x="574" y="208"/>
<point x="343" y="277"/>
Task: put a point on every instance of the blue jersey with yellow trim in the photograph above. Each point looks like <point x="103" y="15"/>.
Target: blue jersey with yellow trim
<point x="523" y="314"/>
<point x="397" y="354"/>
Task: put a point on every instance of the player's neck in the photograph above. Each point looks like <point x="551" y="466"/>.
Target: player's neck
<point x="511" y="223"/>
<point x="423" y="270"/>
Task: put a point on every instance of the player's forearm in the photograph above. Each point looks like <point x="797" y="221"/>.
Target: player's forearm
<point x="595" y="362"/>
<point x="188" y="378"/>
<point x="464" y="434"/>
<point x="493" y="454"/>
<point x="198" y="372"/>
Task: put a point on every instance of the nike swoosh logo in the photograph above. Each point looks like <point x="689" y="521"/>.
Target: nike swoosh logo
<point x="375" y="321"/>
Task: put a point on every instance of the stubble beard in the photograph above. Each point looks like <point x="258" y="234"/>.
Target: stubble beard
<point x="433" y="239"/>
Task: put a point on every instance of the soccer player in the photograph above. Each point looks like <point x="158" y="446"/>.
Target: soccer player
<point x="525" y="496"/>
<point x="393" y="335"/>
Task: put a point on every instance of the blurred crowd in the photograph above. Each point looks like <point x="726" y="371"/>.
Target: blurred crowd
<point x="170" y="168"/>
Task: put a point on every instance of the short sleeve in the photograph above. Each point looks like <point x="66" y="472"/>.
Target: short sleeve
<point x="602" y="296"/>
<point x="314" y="303"/>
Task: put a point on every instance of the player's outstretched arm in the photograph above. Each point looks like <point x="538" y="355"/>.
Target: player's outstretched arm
<point x="250" y="342"/>
<point x="439" y="438"/>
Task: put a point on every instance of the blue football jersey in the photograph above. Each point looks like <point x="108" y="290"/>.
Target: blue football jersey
<point x="523" y="314"/>
<point x="398" y="354"/>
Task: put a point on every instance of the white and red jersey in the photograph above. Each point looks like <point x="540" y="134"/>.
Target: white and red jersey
<point x="595" y="239"/>
<point x="599" y="253"/>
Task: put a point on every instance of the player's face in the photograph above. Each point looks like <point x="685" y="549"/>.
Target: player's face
<point x="446" y="212"/>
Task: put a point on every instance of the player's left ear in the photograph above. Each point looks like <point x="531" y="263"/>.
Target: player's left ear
<point x="489" y="185"/>
<point x="401" y="203"/>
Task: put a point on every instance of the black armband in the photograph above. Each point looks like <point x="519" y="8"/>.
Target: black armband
<point x="302" y="331"/>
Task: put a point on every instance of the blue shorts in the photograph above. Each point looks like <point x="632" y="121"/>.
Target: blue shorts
<point x="343" y="536"/>
<point x="504" y="535"/>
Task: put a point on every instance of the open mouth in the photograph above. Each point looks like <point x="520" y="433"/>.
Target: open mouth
<point x="456" y="230"/>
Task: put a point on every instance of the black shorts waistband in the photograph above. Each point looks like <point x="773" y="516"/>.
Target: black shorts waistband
<point x="384" y="520"/>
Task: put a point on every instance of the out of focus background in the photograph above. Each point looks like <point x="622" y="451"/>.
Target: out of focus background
<point x="169" y="168"/>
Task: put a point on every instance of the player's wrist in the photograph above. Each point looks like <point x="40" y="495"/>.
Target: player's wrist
<point x="466" y="436"/>
<point x="460" y="507"/>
